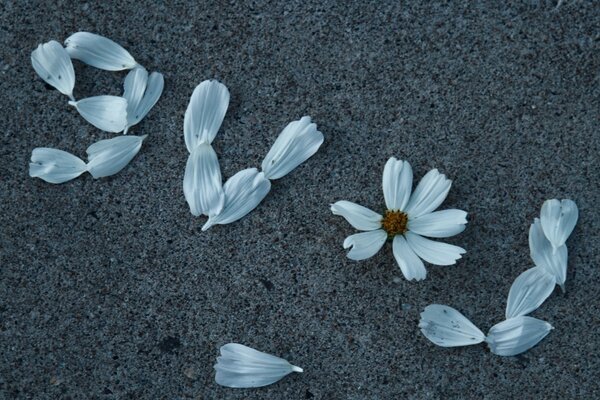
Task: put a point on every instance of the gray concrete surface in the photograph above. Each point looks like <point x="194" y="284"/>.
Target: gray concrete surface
<point x="110" y="291"/>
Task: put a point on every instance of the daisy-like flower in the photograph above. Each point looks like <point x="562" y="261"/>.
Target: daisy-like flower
<point x="408" y="218"/>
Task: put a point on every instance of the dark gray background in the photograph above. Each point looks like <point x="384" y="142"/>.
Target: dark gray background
<point x="110" y="290"/>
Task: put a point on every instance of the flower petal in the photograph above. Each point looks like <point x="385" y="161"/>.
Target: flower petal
<point x="558" y="220"/>
<point x="554" y="261"/>
<point x="240" y="366"/>
<point x="134" y="88"/>
<point x="447" y="327"/>
<point x="529" y="291"/>
<point x="412" y="267"/>
<point x="243" y="192"/>
<point x="154" y="90"/>
<point x="516" y="335"/>
<point x="107" y="157"/>
<point x="205" y="113"/>
<point x="429" y="194"/>
<point x="52" y="63"/>
<point x="99" y="52"/>
<point x="55" y="166"/>
<point x="397" y="183"/>
<point x="298" y="141"/>
<point x="433" y="252"/>
<point x="365" y="245"/>
<point x="439" y="224"/>
<point x="108" y="113"/>
<point x="202" y="185"/>
<point x="358" y="216"/>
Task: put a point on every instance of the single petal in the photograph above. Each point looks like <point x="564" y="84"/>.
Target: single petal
<point x="99" y="52"/>
<point x="240" y="366"/>
<point x="154" y="90"/>
<point x="365" y="244"/>
<point x="412" y="267"/>
<point x="439" y="224"/>
<point x="446" y="327"/>
<point x="558" y="220"/>
<point x="53" y="64"/>
<point x="202" y="185"/>
<point x="358" y="216"/>
<point x="295" y="144"/>
<point x="134" y="88"/>
<point x="516" y="335"/>
<point x="205" y="113"/>
<point x="55" y="166"/>
<point x="243" y="192"/>
<point x="108" y="113"/>
<point x="433" y="252"/>
<point x="529" y="291"/>
<point x="429" y="194"/>
<point x="107" y="157"/>
<point x="397" y="183"/>
<point x="544" y="256"/>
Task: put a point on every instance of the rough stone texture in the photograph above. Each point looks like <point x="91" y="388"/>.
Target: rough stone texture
<point x="110" y="291"/>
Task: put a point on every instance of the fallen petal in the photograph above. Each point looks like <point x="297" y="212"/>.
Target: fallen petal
<point x="99" y="52"/>
<point x="55" y="166"/>
<point x="202" y="185"/>
<point x="516" y="335"/>
<point x="529" y="291"/>
<point x="108" y="113"/>
<point x="554" y="261"/>
<point x="558" y="219"/>
<point x="446" y="327"/>
<point x="107" y="157"/>
<point x="141" y="94"/>
<point x="205" y="113"/>
<point x="53" y="64"/>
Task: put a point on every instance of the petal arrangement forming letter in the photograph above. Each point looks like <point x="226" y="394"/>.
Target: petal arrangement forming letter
<point x="53" y="64"/>
<point x="99" y="52"/>
<point x="554" y="261"/>
<point x="529" y="291"/>
<point x="558" y="220"/>
<point x="108" y="113"/>
<point x="107" y="157"/>
<point x="205" y="113"/>
<point x="202" y="184"/>
<point x="446" y="327"/>
<point x="55" y="166"/>
<point x="516" y="335"/>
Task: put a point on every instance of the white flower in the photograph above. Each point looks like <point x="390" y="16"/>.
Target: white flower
<point x="108" y="113"/>
<point x="55" y="166"/>
<point x="205" y="113"/>
<point x="529" y="291"/>
<point x="141" y="94"/>
<point x="202" y="185"/>
<point x="240" y="366"/>
<point x="516" y="335"/>
<point x="558" y="219"/>
<point x="52" y="63"/>
<point x="553" y="261"/>
<point x="107" y="157"/>
<point x="407" y="219"/>
<point x="99" y="52"/>
<point x="447" y="327"/>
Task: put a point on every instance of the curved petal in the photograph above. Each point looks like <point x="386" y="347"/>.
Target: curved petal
<point x="447" y="327"/>
<point x="52" y="63"/>
<point x="134" y="88"/>
<point x="205" y="113"/>
<point x="516" y="335"/>
<point x="365" y="245"/>
<point x="108" y="113"/>
<point x="298" y="141"/>
<point x="358" y="216"/>
<point x="439" y="224"/>
<point x="55" y="166"/>
<point x="554" y="261"/>
<point x="558" y="220"/>
<point x="202" y="185"/>
<point x="99" y="52"/>
<point x="397" y="183"/>
<point x="429" y="194"/>
<point x="528" y="292"/>
<point x="243" y="192"/>
<point x="107" y="157"/>
<point x="412" y="267"/>
<point x="154" y="89"/>
<point x="433" y="252"/>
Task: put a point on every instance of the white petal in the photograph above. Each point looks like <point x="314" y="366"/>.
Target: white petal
<point x="205" y="113"/>
<point x="107" y="157"/>
<point x="544" y="256"/>
<point x="134" y="88"/>
<point x="154" y="90"/>
<point x="358" y="216"/>
<point x="108" y="113"/>
<point x="446" y="327"/>
<point x="52" y="63"/>
<point x="365" y="245"/>
<point x="202" y="185"/>
<point x="429" y="194"/>
<point x="99" y="52"/>
<point x="516" y="335"/>
<point x="558" y="220"/>
<point x="529" y="291"/>
<point x="412" y="267"/>
<point x="243" y="192"/>
<point x="433" y="252"/>
<point x="240" y="366"/>
<point x="295" y="144"/>
<point x="397" y="183"/>
<point x="55" y="166"/>
<point x="439" y="224"/>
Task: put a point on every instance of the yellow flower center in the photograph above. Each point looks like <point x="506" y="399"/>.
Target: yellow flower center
<point x="395" y="222"/>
